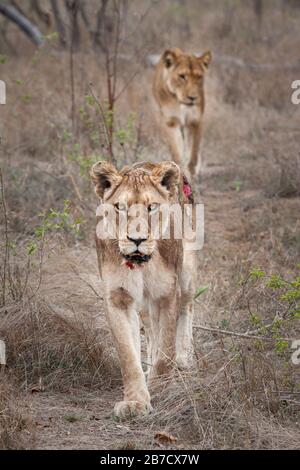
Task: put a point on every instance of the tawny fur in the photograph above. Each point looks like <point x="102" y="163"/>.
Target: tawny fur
<point x="157" y="295"/>
<point x="178" y="89"/>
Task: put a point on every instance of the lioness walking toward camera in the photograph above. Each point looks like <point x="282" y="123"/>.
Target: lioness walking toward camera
<point x="178" y="89"/>
<point x="146" y="278"/>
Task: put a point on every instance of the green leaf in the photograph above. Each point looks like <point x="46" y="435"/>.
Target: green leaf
<point x="200" y="291"/>
<point x="31" y="248"/>
<point x="237" y="185"/>
<point x="255" y="319"/>
<point x="281" y="346"/>
<point x="224" y="324"/>
<point x="276" y="282"/>
<point x="26" y="98"/>
<point x="52" y="36"/>
<point x="257" y="273"/>
<point x="89" y="100"/>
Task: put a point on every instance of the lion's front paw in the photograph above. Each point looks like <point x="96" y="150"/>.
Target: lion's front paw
<point x="129" y="409"/>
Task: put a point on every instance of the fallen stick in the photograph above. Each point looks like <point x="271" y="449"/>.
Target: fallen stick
<point x="233" y="333"/>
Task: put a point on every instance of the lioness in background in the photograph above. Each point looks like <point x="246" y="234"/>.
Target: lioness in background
<point x="178" y="89"/>
<point x="145" y="279"/>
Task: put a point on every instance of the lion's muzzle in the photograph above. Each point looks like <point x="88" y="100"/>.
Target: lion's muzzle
<point x="137" y="251"/>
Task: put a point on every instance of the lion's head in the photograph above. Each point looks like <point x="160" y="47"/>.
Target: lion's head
<point x="184" y="75"/>
<point x="145" y="186"/>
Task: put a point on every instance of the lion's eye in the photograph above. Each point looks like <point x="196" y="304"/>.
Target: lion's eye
<point x="120" y="207"/>
<point x="182" y="76"/>
<point x="153" y="208"/>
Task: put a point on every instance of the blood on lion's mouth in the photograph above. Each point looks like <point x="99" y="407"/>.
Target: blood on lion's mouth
<point x="137" y="258"/>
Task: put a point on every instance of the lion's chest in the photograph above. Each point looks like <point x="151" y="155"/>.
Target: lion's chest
<point x="158" y="281"/>
<point x="189" y="114"/>
<point x="182" y="114"/>
<point x="144" y="284"/>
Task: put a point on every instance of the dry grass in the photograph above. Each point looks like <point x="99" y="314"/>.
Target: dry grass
<point x="16" y="430"/>
<point x="62" y="375"/>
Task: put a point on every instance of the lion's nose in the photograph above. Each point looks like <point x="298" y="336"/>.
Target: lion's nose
<point x="192" y="98"/>
<point x="137" y="241"/>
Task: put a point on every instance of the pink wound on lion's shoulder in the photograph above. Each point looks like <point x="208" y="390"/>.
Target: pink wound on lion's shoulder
<point x="187" y="189"/>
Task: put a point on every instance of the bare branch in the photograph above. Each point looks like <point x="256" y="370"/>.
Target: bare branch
<point x="24" y="24"/>
<point x="72" y="7"/>
<point x="101" y="20"/>
<point x="43" y="15"/>
<point x="85" y="19"/>
<point x="59" y="23"/>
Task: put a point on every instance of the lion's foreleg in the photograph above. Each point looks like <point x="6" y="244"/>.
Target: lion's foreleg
<point x="184" y="336"/>
<point x="175" y="140"/>
<point x="125" y="328"/>
<point x="194" y="133"/>
<point x="145" y="317"/>
<point x="184" y="333"/>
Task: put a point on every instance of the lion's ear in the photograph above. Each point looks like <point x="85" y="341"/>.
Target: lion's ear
<point x="104" y="176"/>
<point x="167" y="174"/>
<point x="205" y="59"/>
<point x="170" y="57"/>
